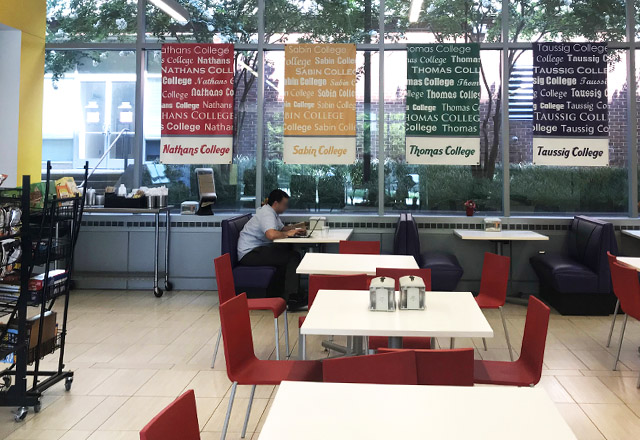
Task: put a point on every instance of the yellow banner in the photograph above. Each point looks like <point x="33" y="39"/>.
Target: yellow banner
<point x="320" y="104"/>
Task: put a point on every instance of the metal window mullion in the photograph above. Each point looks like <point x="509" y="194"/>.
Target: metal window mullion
<point x="138" y="145"/>
<point x="260" y="106"/>
<point x="506" y="190"/>
<point x="632" y="114"/>
<point x="381" y="114"/>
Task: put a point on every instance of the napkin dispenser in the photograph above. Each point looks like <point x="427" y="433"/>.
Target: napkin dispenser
<point x="382" y="294"/>
<point x="492" y="224"/>
<point x="317" y="223"/>
<point x="412" y="292"/>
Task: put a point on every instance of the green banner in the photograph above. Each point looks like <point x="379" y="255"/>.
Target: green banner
<point x="442" y="120"/>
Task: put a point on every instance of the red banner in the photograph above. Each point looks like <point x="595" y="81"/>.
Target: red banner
<point x="197" y="104"/>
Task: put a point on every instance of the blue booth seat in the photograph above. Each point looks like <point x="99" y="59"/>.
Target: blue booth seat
<point x="445" y="269"/>
<point x="253" y="280"/>
<point x="579" y="283"/>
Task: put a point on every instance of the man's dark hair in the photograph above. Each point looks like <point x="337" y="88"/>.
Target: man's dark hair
<point x="276" y="196"/>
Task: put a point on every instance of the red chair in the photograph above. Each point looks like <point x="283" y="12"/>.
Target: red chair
<point x="331" y="282"/>
<point x="359" y="247"/>
<point x="493" y="289"/>
<point x="227" y="290"/>
<point x="443" y="367"/>
<point x="612" y="259"/>
<point x="414" y="343"/>
<point x="178" y="420"/>
<point x="244" y="368"/>
<point x="526" y="371"/>
<point x="626" y="287"/>
<point x="388" y="368"/>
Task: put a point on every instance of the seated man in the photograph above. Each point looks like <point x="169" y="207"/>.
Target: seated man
<point x="256" y="247"/>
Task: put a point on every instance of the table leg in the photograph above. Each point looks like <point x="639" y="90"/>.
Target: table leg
<point x="395" y="342"/>
<point x="302" y="347"/>
<point x="156" y="289"/>
<point x="167" y="285"/>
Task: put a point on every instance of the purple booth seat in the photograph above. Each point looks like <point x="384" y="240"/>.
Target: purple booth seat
<point x="253" y="280"/>
<point x="579" y="283"/>
<point x="445" y="269"/>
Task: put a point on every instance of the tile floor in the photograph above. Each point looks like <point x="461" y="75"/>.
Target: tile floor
<point x="133" y="353"/>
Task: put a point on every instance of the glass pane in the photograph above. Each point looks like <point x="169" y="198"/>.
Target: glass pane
<point x="542" y="190"/>
<point x="324" y="187"/>
<point x="440" y="188"/>
<point x="235" y="183"/>
<point x="88" y="109"/>
<point x="91" y="21"/>
<point x="583" y="20"/>
<point x="327" y="21"/>
<point x="212" y="21"/>
<point x="443" y="21"/>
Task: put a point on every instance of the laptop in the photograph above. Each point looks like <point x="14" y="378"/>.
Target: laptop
<point x="307" y="235"/>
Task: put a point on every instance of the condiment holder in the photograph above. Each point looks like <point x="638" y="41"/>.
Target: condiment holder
<point x="382" y="294"/>
<point x="412" y="293"/>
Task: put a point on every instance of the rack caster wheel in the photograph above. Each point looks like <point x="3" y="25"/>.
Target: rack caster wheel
<point x="21" y="413"/>
<point x="157" y="292"/>
<point x="168" y="286"/>
<point x="67" y="383"/>
<point x="37" y="407"/>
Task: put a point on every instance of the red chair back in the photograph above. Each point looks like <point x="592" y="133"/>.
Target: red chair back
<point x="359" y="247"/>
<point x="236" y="334"/>
<point x="178" y="420"/>
<point x="336" y="282"/>
<point x="626" y="286"/>
<point x="535" y="337"/>
<point x="442" y="367"/>
<point x="396" y="274"/>
<point x="224" y="278"/>
<point x="612" y="258"/>
<point x="495" y="277"/>
<point x="445" y="367"/>
<point x="388" y="368"/>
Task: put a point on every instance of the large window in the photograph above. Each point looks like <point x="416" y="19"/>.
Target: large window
<point x="93" y="68"/>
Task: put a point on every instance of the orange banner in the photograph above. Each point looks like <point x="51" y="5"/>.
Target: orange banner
<point x="320" y="104"/>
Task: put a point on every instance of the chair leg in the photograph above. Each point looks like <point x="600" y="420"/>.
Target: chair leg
<point x="246" y="417"/>
<point x="624" y="326"/>
<point x="506" y="334"/>
<point x="275" y="324"/>
<point x="286" y="334"/>
<point x="228" y="416"/>
<point x="613" y="322"/>
<point x="215" y="350"/>
<point x="484" y="342"/>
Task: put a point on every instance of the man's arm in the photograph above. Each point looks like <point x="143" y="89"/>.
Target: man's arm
<point x="273" y="234"/>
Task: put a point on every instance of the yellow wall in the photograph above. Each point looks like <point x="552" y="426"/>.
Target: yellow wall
<point x="29" y="16"/>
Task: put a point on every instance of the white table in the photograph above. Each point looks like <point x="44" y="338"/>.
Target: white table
<point x="346" y="313"/>
<point x="631" y="233"/>
<point x="349" y="264"/>
<point x="499" y="237"/>
<point x="320" y="411"/>
<point x="332" y="236"/>
<point x="630" y="261"/>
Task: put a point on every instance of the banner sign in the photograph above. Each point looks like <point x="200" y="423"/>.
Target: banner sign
<point x="570" y="114"/>
<point x="197" y="104"/>
<point x="442" y="121"/>
<point x="320" y="104"/>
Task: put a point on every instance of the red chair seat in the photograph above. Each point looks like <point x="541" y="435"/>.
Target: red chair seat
<point x="274" y="372"/>
<point x="503" y="373"/>
<point x="488" y="302"/>
<point x="276" y="305"/>
<point x="301" y="321"/>
<point x="415" y="343"/>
